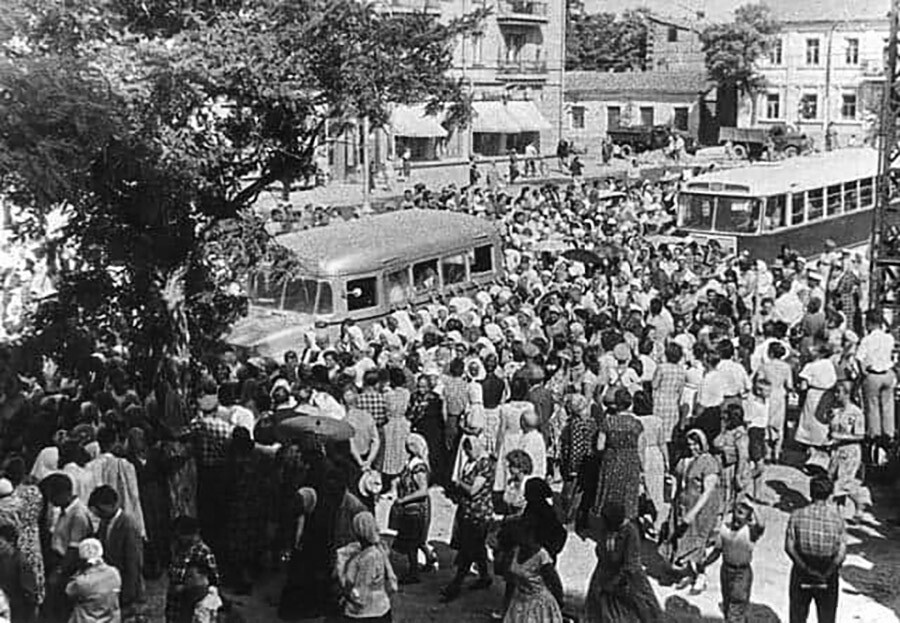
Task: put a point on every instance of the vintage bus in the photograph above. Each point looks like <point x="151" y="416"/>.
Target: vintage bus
<point x="799" y="203"/>
<point x="364" y="270"/>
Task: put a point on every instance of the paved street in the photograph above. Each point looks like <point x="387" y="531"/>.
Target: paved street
<point x="870" y="592"/>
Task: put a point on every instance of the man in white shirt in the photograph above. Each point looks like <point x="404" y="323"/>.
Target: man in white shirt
<point x="734" y="379"/>
<point x="875" y="356"/>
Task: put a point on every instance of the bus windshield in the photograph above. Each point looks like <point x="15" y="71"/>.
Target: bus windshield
<point x="697" y="211"/>
<point x="737" y="215"/>
<point x="305" y="296"/>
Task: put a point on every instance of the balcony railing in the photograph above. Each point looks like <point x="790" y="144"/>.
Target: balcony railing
<point x="431" y="7"/>
<point x="521" y="68"/>
<point x="522" y="11"/>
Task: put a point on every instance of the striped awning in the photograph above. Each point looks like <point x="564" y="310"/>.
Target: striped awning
<point x="493" y="118"/>
<point x="412" y="121"/>
<point x="528" y="117"/>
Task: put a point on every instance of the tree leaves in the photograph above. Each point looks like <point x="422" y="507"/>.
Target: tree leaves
<point x="733" y="50"/>
<point x="604" y="42"/>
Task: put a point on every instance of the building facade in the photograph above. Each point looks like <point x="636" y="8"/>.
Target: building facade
<point x="512" y="68"/>
<point x="674" y="45"/>
<point x="597" y="102"/>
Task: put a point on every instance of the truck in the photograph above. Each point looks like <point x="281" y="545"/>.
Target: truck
<point x="753" y="143"/>
<point x="636" y="139"/>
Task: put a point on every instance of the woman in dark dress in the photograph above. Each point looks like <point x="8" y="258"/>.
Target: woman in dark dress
<point x="620" y="467"/>
<point x="411" y="512"/>
<point x="151" y="477"/>
<point x="619" y="591"/>
<point x="426" y="413"/>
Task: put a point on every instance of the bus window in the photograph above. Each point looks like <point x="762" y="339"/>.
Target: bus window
<point x="697" y="211"/>
<point x="300" y="296"/>
<point x="737" y="215"/>
<point x="816" y="204"/>
<point x="866" y="193"/>
<point x="834" y="200"/>
<point x="265" y="290"/>
<point x="425" y="276"/>
<point x="481" y="260"/>
<point x="776" y="213"/>
<point x="850" y="196"/>
<point x="453" y="269"/>
<point x="362" y="293"/>
<point x="798" y="208"/>
<point x="325" y="304"/>
<point x="396" y="285"/>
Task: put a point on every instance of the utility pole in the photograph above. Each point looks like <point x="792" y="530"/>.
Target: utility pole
<point x="884" y="270"/>
<point x="562" y="69"/>
<point x="826" y="104"/>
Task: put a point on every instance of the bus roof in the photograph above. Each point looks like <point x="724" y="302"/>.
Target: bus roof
<point x="791" y="175"/>
<point x="369" y="243"/>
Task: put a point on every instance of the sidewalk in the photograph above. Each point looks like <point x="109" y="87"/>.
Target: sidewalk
<point x="347" y="194"/>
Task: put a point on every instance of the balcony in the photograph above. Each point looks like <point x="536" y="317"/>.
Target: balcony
<point x="403" y="7"/>
<point x="522" y="13"/>
<point x="521" y="70"/>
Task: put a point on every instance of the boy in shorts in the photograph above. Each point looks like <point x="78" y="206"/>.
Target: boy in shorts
<point x="756" y="415"/>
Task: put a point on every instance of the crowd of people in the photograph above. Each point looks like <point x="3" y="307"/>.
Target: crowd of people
<point x="641" y="397"/>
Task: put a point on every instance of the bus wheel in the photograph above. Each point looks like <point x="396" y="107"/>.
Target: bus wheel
<point x="740" y="151"/>
<point x="626" y="151"/>
<point x="791" y="152"/>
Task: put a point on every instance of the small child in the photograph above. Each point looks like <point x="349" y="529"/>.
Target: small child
<point x="734" y="543"/>
<point x="733" y="444"/>
<point x="756" y="412"/>
<point x="191" y="553"/>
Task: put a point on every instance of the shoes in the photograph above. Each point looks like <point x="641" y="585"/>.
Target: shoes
<point x="482" y="583"/>
<point x="450" y="592"/>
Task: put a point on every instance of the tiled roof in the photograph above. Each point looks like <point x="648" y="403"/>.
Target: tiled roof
<point x="829" y="10"/>
<point x="599" y="82"/>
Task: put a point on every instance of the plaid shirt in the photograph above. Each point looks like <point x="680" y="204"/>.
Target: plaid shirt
<point x="456" y="395"/>
<point x="211" y="436"/>
<point x="196" y="553"/>
<point x="818" y="530"/>
<point x="374" y="403"/>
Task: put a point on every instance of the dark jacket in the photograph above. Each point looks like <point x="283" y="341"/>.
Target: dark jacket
<point x="123" y="548"/>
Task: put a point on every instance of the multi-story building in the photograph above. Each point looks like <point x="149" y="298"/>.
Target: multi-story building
<point x="825" y="72"/>
<point x="512" y="68"/>
<point x="674" y="44"/>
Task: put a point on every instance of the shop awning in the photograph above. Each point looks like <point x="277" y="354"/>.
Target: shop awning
<point x="493" y="118"/>
<point x="528" y="117"/>
<point x="412" y="121"/>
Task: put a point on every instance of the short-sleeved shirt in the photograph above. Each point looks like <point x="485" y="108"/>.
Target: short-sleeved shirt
<point x="820" y="374"/>
<point x="373" y="402"/>
<point x="73" y="526"/>
<point x="818" y="530"/>
<point x="364" y="430"/>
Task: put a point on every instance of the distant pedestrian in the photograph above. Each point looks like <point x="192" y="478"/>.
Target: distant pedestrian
<point x="562" y="154"/>
<point x="513" y="166"/>
<point x="474" y="174"/>
<point x="816" y="543"/>
<point x="406" y="159"/>
<point x="576" y="168"/>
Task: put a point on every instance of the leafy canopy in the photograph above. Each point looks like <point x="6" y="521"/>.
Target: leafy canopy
<point x="153" y="126"/>
<point x="605" y="42"/>
<point x="733" y="50"/>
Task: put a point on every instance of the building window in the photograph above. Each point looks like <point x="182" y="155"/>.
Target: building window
<point x="673" y="34"/>
<point x="775" y="52"/>
<point x="478" y="49"/>
<point x="848" y="106"/>
<point x="852" y="55"/>
<point x="812" y="51"/>
<point x="613" y="117"/>
<point x="773" y="106"/>
<point x="646" y="116"/>
<point x="577" y="117"/>
<point x="681" y="118"/>
<point x="809" y="106"/>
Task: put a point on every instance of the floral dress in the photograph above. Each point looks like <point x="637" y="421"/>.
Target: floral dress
<point x="396" y="430"/>
<point x="411" y="521"/>
<point x="532" y="601"/>
<point x="846" y="456"/>
<point x="620" y="469"/>
<point x="29" y="504"/>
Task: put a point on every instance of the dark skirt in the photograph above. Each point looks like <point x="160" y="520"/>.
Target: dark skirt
<point x="411" y="522"/>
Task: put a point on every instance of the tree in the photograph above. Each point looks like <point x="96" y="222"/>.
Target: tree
<point x="156" y="125"/>
<point x="733" y="51"/>
<point x="605" y="42"/>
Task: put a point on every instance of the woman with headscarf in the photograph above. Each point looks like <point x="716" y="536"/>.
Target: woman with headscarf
<point x="397" y="427"/>
<point x="29" y="508"/>
<point x="619" y="591"/>
<point x="620" y="468"/>
<point x="818" y="378"/>
<point x="411" y="513"/>
<point x="472" y="493"/>
<point x="653" y="450"/>
<point x="427" y="418"/>
<point x="696" y="508"/>
<point x="46" y="463"/>
<point x="472" y="423"/>
<point x="365" y="574"/>
<point x="246" y="518"/>
<point x="94" y="591"/>
<point x="509" y="434"/>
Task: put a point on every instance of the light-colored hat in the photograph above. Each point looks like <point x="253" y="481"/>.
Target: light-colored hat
<point x="208" y="402"/>
<point x="622" y="352"/>
<point x="6" y="487"/>
<point x="91" y="551"/>
<point x="370" y="483"/>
